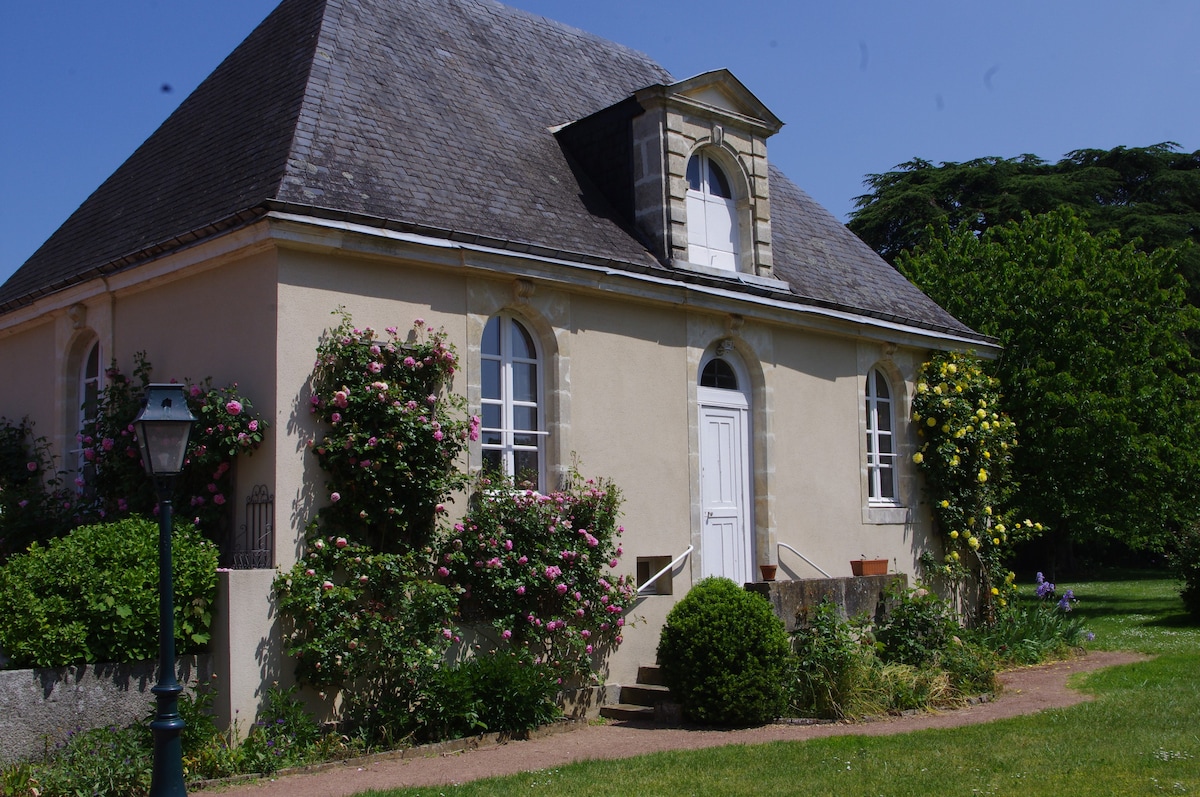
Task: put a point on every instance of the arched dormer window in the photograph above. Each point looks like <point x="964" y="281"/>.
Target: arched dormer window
<point x="881" y="441"/>
<point x="712" y="221"/>
<point x="512" y="432"/>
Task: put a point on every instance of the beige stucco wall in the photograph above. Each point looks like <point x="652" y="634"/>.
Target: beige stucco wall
<point x="26" y="360"/>
<point x="620" y="395"/>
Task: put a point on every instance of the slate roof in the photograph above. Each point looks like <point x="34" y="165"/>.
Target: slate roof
<point x="431" y="115"/>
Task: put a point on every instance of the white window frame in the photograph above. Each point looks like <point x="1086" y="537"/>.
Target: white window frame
<point x="508" y="434"/>
<point x="882" y="468"/>
<point x="712" y="220"/>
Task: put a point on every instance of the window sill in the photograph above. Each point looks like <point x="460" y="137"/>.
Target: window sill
<point x="729" y="274"/>
<point x="885" y="515"/>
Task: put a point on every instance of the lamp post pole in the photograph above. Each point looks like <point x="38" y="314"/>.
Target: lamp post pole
<point x="162" y="430"/>
<point x="166" y="779"/>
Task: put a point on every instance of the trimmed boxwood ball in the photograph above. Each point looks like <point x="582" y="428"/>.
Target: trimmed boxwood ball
<point x="723" y="653"/>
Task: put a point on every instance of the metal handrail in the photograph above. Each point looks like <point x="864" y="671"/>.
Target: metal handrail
<point x="674" y="562"/>
<point x="805" y="558"/>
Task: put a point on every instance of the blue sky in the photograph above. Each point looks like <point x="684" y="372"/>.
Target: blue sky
<point x="862" y="85"/>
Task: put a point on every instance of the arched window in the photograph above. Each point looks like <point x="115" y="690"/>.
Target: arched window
<point x="881" y="443"/>
<point x="719" y="374"/>
<point x="88" y="385"/>
<point x="711" y="215"/>
<point x="512" y="431"/>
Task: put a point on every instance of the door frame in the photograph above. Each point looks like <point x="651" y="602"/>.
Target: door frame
<point x="738" y="400"/>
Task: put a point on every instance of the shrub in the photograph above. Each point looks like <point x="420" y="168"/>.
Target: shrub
<point x="1184" y="557"/>
<point x="498" y="691"/>
<point x="111" y="760"/>
<point x="723" y="654"/>
<point x="917" y="627"/>
<point x="92" y="596"/>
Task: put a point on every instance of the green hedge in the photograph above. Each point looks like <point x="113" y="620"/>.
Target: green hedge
<point x="723" y="654"/>
<point x="92" y="596"/>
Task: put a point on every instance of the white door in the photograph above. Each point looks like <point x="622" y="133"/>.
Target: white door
<point x="726" y="548"/>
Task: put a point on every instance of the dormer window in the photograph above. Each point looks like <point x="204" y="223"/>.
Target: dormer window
<point x="712" y="221"/>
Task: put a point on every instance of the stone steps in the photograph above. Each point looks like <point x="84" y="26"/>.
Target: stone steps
<point x="647" y="701"/>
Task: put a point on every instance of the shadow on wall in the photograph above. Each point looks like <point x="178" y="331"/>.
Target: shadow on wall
<point x="40" y="707"/>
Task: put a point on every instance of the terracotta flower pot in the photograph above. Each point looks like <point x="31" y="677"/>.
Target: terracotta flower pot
<point x="768" y="572"/>
<point x="869" y="567"/>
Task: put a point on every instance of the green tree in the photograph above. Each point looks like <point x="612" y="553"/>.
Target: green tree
<point x="1096" y="370"/>
<point x="1147" y="194"/>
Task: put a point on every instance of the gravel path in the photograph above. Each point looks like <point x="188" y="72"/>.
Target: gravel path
<point x="1025" y="691"/>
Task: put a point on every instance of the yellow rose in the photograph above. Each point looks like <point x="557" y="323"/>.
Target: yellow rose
<point x="931" y="422"/>
<point x="944" y="504"/>
<point x="974" y="543"/>
<point x="982" y="476"/>
<point x="918" y="457"/>
<point x="954" y="535"/>
<point x="954" y="556"/>
<point x="995" y="540"/>
<point x="987" y="454"/>
<point x="922" y="387"/>
<point x="995" y="591"/>
<point x="954" y="461"/>
<point x="952" y="368"/>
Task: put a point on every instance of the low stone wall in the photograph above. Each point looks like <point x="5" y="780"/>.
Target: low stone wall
<point x="853" y="596"/>
<point x="39" y="708"/>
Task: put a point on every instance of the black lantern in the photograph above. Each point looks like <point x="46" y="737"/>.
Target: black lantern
<point x="162" y="429"/>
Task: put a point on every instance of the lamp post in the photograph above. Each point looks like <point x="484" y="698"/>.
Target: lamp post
<point x="162" y="431"/>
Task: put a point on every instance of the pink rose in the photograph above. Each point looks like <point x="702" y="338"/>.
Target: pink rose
<point x="327" y="585"/>
<point x="341" y="542"/>
<point x="234" y="407"/>
<point x="506" y="634"/>
<point x="310" y="572"/>
<point x="218" y="499"/>
<point x="335" y="497"/>
<point x="31" y="466"/>
<point x="253" y="426"/>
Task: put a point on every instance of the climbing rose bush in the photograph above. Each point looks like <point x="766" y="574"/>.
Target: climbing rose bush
<point x="369" y="624"/>
<point x="542" y="569"/>
<point x="966" y="457"/>
<point x="392" y="432"/>
<point x="115" y="483"/>
<point x="31" y="494"/>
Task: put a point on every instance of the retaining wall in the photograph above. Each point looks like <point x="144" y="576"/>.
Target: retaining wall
<point x="40" y="707"/>
<point x="853" y="596"/>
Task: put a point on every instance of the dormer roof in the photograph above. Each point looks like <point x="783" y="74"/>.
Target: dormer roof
<point x="717" y="94"/>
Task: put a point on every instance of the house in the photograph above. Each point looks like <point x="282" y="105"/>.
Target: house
<point x="692" y="324"/>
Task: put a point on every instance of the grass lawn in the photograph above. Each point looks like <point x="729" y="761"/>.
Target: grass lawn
<point x="1140" y="736"/>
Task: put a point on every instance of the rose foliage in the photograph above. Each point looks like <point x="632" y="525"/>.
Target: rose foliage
<point x="115" y="484"/>
<point x="392" y="433"/>
<point x="31" y="495"/>
<point x="374" y="605"/>
<point x="966" y="458"/>
<point x="540" y="569"/>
